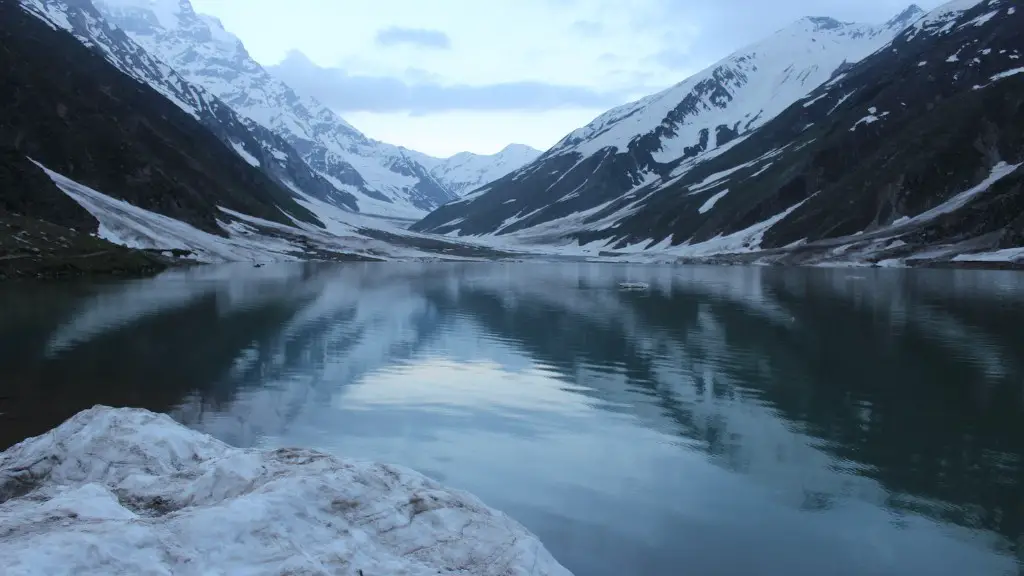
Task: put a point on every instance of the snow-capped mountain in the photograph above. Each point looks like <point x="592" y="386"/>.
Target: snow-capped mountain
<point x="465" y="171"/>
<point x="913" y="154"/>
<point x="85" y="101"/>
<point x="383" y="178"/>
<point x="738" y="94"/>
<point x="257" y="145"/>
<point x="635" y="144"/>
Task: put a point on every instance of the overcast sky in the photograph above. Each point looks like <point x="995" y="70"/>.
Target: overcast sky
<point x="442" y="76"/>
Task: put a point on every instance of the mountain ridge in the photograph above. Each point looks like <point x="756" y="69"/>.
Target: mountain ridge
<point x="636" y="144"/>
<point x="384" y="180"/>
<point x="464" y="172"/>
<point x="256" y="145"/>
<point x="115" y="131"/>
<point x="910" y="154"/>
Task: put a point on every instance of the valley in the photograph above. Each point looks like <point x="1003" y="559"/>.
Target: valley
<point x="760" y="304"/>
<point x="827" y="144"/>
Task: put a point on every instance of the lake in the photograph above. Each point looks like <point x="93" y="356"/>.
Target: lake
<point x="725" y="421"/>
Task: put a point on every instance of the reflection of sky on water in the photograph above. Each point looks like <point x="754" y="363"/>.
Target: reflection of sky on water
<point x="726" y="421"/>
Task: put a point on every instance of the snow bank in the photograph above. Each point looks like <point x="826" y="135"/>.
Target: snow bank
<point x="126" y="491"/>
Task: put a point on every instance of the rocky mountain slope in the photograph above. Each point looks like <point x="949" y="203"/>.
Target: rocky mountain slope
<point x="384" y="179"/>
<point x="912" y="154"/>
<point x="465" y="171"/>
<point x="44" y="233"/>
<point x="635" y="145"/>
<point x="68" y="108"/>
<point x="256" y="144"/>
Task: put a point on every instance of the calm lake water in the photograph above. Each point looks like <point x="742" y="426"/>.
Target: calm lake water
<point x="728" y="421"/>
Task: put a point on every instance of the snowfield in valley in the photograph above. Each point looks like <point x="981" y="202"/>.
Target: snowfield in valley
<point x="126" y="491"/>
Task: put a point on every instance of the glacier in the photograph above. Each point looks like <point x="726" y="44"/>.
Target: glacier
<point x="116" y="491"/>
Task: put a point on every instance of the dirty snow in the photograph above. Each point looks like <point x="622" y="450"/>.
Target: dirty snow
<point x="1006" y="255"/>
<point x="125" y="491"/>
<point x="128" y="225"/>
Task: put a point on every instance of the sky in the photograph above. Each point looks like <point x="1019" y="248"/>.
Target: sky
<point x="445" y="76"/>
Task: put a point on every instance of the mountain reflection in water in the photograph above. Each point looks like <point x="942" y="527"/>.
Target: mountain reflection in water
<point x="725" y="421"/>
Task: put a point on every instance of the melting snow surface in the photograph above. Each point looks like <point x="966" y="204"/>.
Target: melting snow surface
<point x="1005" y="255"/>
<point x="128" y="225"/>
<point x="126" y="491"/>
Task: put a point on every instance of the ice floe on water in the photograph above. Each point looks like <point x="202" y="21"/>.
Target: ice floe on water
<point x="126" y="491"/>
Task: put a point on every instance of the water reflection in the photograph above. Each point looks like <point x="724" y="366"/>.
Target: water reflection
<point x="728" y="420"/>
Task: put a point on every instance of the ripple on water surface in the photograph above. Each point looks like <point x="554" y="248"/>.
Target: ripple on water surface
<point x="720" y="421"/>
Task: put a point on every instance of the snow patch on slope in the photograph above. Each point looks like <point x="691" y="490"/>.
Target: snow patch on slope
<point x="999" y="171"/>
<point x="126" y="491"/>
<point x="245" y="155"/>
<point x="248" y="238"/>
<point x="1007" y="74"/>
<point x="710" y="203"/>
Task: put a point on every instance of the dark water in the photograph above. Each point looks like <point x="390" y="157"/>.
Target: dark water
<point x="729" y="421"/>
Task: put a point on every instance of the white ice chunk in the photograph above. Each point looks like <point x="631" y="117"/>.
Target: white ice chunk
<point x="125" y="491"/>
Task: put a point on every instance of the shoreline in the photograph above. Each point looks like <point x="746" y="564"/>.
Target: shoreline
<point x="35" y="249"/>
<point x="32" y="249"/>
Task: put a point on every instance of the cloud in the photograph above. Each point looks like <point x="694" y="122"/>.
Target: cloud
<point x="587" y="28"/>
<point x="696" y="34"/>
<point x="416" y="36"/>
<point x="674" y="59"/>
<point x="420" y="93"/>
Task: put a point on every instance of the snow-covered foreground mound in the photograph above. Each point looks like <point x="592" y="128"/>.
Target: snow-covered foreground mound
<point x="126" y="491"/>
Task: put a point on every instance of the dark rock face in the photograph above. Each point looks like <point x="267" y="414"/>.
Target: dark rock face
<point x="27" y="191"/>
<point x="888" y="139"/>
<point x="276" y="157"/>
<point x="68" y="108"/>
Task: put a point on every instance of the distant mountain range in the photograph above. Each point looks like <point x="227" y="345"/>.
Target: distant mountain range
<point x="888" y="144"/>
<point x="465" y="171"/>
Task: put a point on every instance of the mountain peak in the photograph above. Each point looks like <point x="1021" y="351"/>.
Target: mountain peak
<point x="907" y="17"/>
<point x="519" y="149"/>
<point x="168" y="13"/>
<point x="824" y="22"/>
